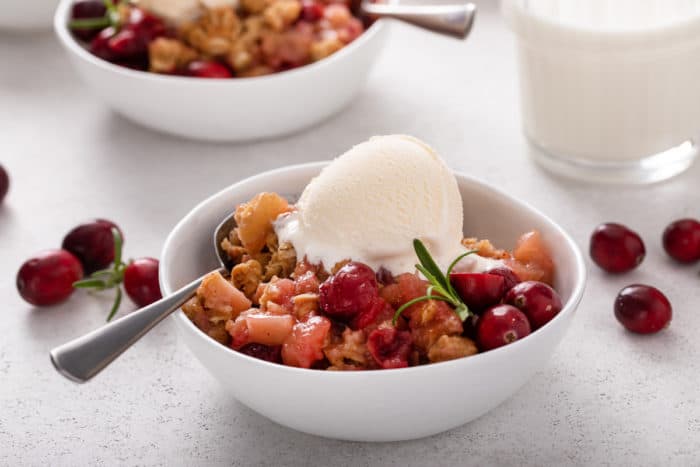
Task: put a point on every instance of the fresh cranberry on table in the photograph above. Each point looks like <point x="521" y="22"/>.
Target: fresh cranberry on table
<point x="501" y="325"/>
<point x="616" y="248"/>
<point x="643" y="309"/>
<point x="93" y="244"/>
<point x="390" y="347"/>
<point x="48" y="278"/>
<point x="88" y="10"/>
<point x="4" y="183"/>
<point x="311" y="10"/>
<point x="478" y="290"/>
<point x="510" y="278"/>
<point x="207" y="69"/>
<point x="263" y="352"/>
<point x="141" y="281"/>
<point x="681" y="240"/>
<point x="349" y="291"/>
<point x="537" y="300"/>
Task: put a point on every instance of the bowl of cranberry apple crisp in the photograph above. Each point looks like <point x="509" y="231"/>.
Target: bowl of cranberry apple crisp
<point x="377" y="297"/>
<point x="221" y="70"/>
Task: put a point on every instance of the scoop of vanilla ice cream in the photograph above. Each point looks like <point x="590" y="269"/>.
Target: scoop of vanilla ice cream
<point x="371" y="202"/>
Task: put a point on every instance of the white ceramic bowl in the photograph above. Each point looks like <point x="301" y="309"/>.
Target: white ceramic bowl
<point x="385" y="405"/>
<point x="27" y="15"/>
<point x="233" y="109"/>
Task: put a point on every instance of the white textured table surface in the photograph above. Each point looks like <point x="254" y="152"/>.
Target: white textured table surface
<point x="606" y="397"/>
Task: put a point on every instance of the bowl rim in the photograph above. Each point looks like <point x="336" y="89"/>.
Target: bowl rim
<point x="60" y="25"/>
<point x="568" y="309"/>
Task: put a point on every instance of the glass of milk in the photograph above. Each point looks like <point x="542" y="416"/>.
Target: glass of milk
<point x="610" y="89"/>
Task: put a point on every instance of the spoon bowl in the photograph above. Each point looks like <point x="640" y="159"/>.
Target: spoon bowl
<point x="81" y="359"/>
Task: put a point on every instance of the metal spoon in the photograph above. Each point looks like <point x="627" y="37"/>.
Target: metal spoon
<point x="454" y="20"/>
<point x="81" y="359"/>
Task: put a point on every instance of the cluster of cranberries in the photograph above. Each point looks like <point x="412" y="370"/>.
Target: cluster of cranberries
<point x="121" y="41"/>
<point x="505" y="309"/>
<point x="88" y="250"/>
<point x="617" y="249"/>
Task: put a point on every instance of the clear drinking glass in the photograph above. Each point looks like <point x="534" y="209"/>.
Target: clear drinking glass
<point x="610" y="89"/>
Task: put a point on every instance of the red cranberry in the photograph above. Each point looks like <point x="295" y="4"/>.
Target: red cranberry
<point x="126" y="44"/>
<point x="501" y="325"/>
<point x="377" y="312"/>
<point x="615" y="248"/>
<point x="141" y="281"/>
<point x="311" y="10"/>
<point x="100" y="44"/>
<point x="207" y="69"/>
<point x="4" y="183"/>
<point x="478" y="290"/>
<point x="390" y="347"/>
<point x="350" y="291"/>
<point x="92" y="243"/>
<point x="146" y="25"/>
<point x="643" y="309"/>
<point x="48" y="278"/>
<point x="263" y="352"/>
<point x="510" y="278"/>
<point x="682" y="240"/>
<point x="87" y="9"/>
<point x="537" y="300"/>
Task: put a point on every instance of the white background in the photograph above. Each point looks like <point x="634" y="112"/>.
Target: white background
<point x="606" y="398"/>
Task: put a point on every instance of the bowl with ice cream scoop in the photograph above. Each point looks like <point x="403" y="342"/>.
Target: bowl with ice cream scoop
<point x="396" y="395"/>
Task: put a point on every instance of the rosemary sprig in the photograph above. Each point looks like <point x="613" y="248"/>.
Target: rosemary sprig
<point x="110" y="278"/>
<point x="440" y="287"/>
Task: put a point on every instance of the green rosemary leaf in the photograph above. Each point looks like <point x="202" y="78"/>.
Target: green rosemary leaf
<point x="90" y="284"/>
<point x="115" y="306"/>
<point x="429" y="263"/>
<point x="424" y="298"/>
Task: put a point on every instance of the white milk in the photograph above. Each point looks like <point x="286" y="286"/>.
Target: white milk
<point x="608" y="81"/>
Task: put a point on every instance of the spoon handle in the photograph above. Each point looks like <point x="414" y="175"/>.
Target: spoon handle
<point x="81" y="359"/>
<point x="453" y="20"/>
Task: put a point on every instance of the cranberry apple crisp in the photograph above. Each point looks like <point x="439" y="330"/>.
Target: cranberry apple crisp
<point x="284" y="309"/>
<point x="214" y="38"/>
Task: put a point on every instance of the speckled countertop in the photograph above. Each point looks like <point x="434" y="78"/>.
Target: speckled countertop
<point x="606" y="397"/>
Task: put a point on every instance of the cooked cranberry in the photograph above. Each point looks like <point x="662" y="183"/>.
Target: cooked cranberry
<point x="682" y="240"/>
<point x="349" y="291"/>
<point x="615" y="248"/>
<point x="100" y="44"/>
<point x="141" y="281"/>
<point x="379" y="311"/>
<point x="87" y="9"/>
<point x="478" y="290"/>
<point x="4" y="183"/>
<point x="207" y="69"/>
<point x="48" y="278"/>
<point x="501" y="325"/>
<point x="390" y="347"/>
<point x="537" y="300"/>
<point x="126" y="44"/>
<point x="263" y="352"/>
<point x="146" y="25"/>
<point x="643" y="309"/>
<point x="385" y="277"/>
<point x="92" y="243"/>
<point x="510" y="278"/>
<point x="311" y="10"/>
